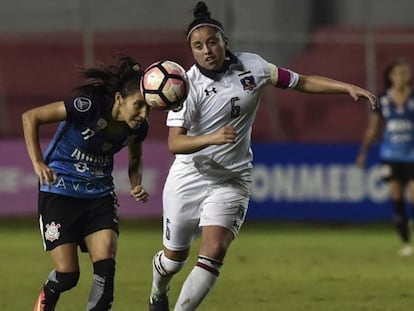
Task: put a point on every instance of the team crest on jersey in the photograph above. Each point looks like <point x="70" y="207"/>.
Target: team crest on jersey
<point x="82" y="104"/>
<point x="248" y="83"/>
<point x="52" y="231"/>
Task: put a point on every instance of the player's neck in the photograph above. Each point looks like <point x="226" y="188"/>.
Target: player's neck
<point x="400" y="94"/>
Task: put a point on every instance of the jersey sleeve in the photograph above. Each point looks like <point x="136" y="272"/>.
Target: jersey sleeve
<point x="183" y="116"/>
<point x="79" y="108"/>
<point x="277" y="76"/>
<point x="283" y="78"/>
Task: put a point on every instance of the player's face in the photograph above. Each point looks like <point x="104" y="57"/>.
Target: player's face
<point x="133" y="109"/>
<point x="400" y="76"/>
<point x="208" y="47"/>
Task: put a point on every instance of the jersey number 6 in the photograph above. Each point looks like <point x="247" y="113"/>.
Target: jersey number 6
<point x="235" y="109"/>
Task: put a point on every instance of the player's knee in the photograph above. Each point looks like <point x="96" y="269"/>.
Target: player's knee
<point x="166" y="266"/>
<point x="62" y="281"/>
<point x="215" y="249"/>
<point x="102" y="293"/>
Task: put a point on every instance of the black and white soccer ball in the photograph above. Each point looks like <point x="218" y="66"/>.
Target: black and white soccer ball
<point x="164" y="85"/>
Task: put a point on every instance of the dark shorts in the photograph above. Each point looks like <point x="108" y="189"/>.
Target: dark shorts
<point x="64" y="219"/>
<point x="400" y="171"/>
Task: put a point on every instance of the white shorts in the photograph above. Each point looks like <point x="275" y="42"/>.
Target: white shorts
<point x="192" y="200"/>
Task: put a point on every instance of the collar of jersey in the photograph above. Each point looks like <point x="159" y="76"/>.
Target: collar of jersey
<point x="231" y="59"/>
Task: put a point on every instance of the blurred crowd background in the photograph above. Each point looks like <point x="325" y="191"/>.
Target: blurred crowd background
<point x="43" y="43"/>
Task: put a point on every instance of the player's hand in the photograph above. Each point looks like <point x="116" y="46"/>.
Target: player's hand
<point x="44" y="173"/>
<point x="357" y="92"/>
<point x="139" y="194"/>
<point x="225" y="135"/>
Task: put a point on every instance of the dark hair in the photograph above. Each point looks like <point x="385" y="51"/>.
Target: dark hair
<point x="202" y="16"/>
<point x="390" y="68"/>
<point x="123" y="77"/>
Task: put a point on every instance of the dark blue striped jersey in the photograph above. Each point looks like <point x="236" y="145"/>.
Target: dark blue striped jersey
<point x="398" y="139"/>
<point x="83" y="147"/>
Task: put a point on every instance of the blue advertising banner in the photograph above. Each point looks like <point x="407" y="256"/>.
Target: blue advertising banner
<point x="317" y="182"/>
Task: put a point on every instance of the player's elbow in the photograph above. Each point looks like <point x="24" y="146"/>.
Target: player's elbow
<point x="27" y="118"/>
<point x="172" y="146"/>
<point x="175" y="148"/>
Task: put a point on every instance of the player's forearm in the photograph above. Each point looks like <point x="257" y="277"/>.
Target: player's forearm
<point x="318" y="84"/>
<point x="135" y="173"/>
<point x="188" y="144"/>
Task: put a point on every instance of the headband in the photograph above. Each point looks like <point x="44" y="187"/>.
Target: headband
<point x="201" y="25"/>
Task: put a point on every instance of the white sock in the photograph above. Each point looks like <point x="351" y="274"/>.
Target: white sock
<point x="163" y="269"/>
<point x="198" y="283"/>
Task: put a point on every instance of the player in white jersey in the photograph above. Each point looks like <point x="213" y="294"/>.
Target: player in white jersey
<point x="207" y="188"/>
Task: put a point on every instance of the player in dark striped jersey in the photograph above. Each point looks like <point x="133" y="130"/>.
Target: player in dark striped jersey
<point x="77" y="205"/>
<point x="208" y="186"/>
<point x="397" y="146"/>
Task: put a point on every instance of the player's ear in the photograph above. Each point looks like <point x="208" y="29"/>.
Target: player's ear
<point x="226" y="42"/>
<point x="117" y="98"/>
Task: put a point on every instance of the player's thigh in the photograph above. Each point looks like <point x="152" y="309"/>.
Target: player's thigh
<point x="100" y="228"/>
<point x="396" y="189"/>
<point x="215" y="240"/>
<point x="394" y="174"/>
<point x="184" y="190"/>
<point x="58" y="216"/>
<point x="226" y="207"/>
<point x="65" y="258"/>
<point x="181" y="216"/>
<point x="179" y="233"/>
<point x="102" y="244"/>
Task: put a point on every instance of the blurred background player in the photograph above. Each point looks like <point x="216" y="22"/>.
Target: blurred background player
<point x="77" y="204"/>
<point x="397" y="146"/>
<point x="207" y="189"/>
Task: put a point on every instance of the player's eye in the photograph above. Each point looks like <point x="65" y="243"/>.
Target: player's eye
<point x="198" y="46"/>
<point x="139" y="104"/>
<point x="212" y="42"/>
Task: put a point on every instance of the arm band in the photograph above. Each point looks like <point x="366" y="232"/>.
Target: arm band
<point x="286" y="78"/>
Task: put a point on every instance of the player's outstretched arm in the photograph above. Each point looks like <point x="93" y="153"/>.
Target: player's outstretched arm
<point x="320" y="84"/>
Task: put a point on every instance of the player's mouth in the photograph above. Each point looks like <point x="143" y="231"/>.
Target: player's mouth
<point x="135" y="123"/>
<point x="210" y="59"/>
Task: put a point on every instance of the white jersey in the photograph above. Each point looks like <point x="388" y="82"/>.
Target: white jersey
<point x="229" y="99"/>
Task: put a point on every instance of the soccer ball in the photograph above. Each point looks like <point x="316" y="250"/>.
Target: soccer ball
<point x="164" y="85"/>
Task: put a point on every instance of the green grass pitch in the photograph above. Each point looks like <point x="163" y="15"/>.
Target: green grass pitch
<point x="271" y="266"/>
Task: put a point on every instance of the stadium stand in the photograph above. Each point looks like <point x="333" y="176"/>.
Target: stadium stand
<point x="39" y="68"/>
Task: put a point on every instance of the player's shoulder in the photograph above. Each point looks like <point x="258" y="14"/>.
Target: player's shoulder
<point x="247" y="57"/>
<point x="252" y="62"/>
<point x="87" y="106"/>
<point x="194" y="73"/>
<point x="197" y="79"/>
<point x="384" y="98"/>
